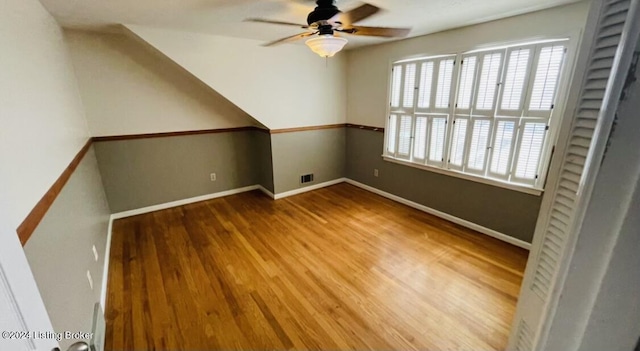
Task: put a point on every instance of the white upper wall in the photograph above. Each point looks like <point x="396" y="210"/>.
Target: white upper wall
<point x="41" y="114"/>
<point x="369" y="67"/>
<point x="128" y="88"/>
<point x="282" y="87"/>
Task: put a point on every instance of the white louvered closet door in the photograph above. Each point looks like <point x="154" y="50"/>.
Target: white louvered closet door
<point x="564" y="202"/>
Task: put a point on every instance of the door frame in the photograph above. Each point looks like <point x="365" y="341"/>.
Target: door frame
<point x="19" y="288"/>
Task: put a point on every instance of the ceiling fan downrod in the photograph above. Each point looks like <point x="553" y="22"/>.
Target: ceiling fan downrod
<point x="325" y="10"/>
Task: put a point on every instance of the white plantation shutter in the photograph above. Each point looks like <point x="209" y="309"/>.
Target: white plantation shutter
<point x="426" y="82"/>
<point x="458" y="142"/>
<point x="391" y="134"/>
<point x="487" y="87"/>
<point x="396" y="83"/>
<point x="492" y="91"/>
<point x="478" y="145"/>
<point x="435" y="83"/>
<point x="556" y="230"/>
<point x="420" y="139"/>
<point x="437" y="138"/>
<point x="445" y="77"/>
<point x="467" y="79"/>
<point x="403" y="94"/>
<point x="408" y="90"/>
<point x="545" y="81"/>
<point x="513" y="88"/>
<point x="503" y="141"/>
<point x="404" y="136"/>
<point x="529" y="151"/>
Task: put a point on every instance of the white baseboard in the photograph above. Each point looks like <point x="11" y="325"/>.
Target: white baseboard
<point x="105" y="270"/>
<point x="177" y="203"/>
<point x="266" y="192"/>
<point x="309" y="188"/>
<point x="446" y="216"/>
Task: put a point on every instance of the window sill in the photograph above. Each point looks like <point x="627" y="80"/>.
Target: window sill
<point x="493" y="182"/>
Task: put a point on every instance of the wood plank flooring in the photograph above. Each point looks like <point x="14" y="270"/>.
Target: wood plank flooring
<point x="335" y="269"/>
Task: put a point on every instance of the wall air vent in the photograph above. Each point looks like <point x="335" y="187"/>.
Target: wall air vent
<point x="307" y="178"/>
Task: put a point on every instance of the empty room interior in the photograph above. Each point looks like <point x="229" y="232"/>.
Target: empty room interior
<point x="320" y="175"/>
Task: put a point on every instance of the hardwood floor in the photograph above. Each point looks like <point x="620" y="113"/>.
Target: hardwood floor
<point x="336" y="268"/>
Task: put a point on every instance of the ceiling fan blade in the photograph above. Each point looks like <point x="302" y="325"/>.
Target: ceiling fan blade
<point x="260" y="20"/>
<point x="290" y="39"/>
<point x="377" y="31"/>
<point x="358" y="14"/>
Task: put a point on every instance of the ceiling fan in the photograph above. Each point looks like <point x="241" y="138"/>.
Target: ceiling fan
<point x="326" y="19"/>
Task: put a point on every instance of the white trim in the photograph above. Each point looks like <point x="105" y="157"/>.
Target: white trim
<point x="16" y="277"/>
<point x="516" y="44"/>
<point x="446" y="216"/>
<point x="105" y="270"/>
<point x="177" y="203"/>
<point x="521" y="188"/>
<point x="309" y="188"/>
<point x="266" y="192"/>
<point x="14" y="318"/>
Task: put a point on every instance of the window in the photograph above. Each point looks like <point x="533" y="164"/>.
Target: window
<point x="486" y="113"/>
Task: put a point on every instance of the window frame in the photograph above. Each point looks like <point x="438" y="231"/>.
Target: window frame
<point x="550" y="139"/>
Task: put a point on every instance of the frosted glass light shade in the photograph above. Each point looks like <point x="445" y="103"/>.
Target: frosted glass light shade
<point x="326" y="45"/>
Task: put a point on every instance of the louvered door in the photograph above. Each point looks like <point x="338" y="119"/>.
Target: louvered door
<point x="555" y="231"/>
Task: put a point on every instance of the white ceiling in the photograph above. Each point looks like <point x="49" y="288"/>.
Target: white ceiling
<point x="225" y="17"/>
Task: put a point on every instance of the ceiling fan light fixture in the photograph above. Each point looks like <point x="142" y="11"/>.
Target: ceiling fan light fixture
<point x="326" y="45"/>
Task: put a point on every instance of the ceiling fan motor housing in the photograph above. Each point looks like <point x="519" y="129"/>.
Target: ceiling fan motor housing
<point x="325" y="10"/>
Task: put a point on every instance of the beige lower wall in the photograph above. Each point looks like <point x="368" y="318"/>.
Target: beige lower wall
<point x="507" y="211"/>
<point x="321" y="152"/>
<point x="144" y="172"/>
<point x="263" y="159"/>
<point x="60" y="250"/>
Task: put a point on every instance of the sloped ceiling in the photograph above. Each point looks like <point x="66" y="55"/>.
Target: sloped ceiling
<point x="127" y="88"/>
<point x="281" y="87"/>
